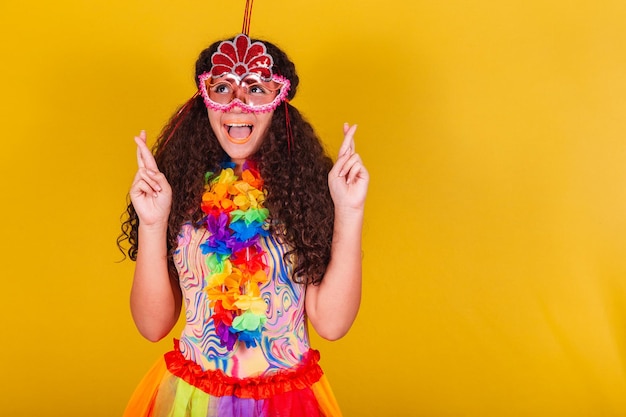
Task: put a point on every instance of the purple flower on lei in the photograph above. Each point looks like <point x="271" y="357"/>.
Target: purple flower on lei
<point x="227" y="338"/>
<point x="220" y="238"/>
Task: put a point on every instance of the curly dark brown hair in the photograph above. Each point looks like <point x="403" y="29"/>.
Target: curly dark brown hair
<point x="296" y="176"/>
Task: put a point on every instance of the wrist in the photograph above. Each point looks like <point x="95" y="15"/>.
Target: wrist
<point x="349" y="213"/>
<point x="156" y="228"/>
<point x="348" y="221"/>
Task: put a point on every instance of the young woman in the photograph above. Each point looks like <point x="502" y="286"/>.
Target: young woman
<point x="241" y="218"/>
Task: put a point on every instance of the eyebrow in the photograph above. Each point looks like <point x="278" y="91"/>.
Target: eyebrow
<point x="253" y="77"/>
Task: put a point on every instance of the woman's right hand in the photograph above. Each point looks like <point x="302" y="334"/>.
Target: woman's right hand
<point x="150" y="192"/>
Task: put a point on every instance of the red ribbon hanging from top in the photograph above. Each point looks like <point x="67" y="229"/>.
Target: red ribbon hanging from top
<point x="247" y="18"/>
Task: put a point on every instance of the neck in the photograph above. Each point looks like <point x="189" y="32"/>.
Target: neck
<point x="238" y="164"/>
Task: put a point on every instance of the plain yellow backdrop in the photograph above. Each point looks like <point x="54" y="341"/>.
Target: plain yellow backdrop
<point x="494" y="132"/>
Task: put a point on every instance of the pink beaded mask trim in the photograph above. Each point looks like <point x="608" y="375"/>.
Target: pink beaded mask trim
<point x="241" y="76"/>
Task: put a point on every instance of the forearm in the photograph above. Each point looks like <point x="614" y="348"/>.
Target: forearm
<point x="333" y="305"/>
<point x="155" y="298"/>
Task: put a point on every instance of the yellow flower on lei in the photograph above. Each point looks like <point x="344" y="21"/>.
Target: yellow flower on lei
<point x="218" y="195"/>
<point x="251" y="303"/>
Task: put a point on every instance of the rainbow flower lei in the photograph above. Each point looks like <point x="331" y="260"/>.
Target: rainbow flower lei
<point x="235" y="218"/>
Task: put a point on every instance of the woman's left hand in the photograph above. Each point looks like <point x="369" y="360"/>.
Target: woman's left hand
<point x="333" y="305"/>
<point x="348" y="179"/>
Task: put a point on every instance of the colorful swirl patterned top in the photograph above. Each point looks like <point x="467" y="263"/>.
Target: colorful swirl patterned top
<point x="284" y="339"/>
<point x="235" y="219"/>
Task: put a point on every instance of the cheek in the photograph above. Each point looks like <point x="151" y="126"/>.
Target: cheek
<point x="264" y="125"/>
<point x="214" y="121"/>
<point x="261" y="137"/>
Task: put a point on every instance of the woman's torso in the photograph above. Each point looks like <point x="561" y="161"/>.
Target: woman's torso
<point x="284" y="338"/>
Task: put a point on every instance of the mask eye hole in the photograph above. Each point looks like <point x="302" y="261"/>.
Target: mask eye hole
<point x="221" y="87"/>
<point x="259" y="89"/>
<point x="251" y="93"/>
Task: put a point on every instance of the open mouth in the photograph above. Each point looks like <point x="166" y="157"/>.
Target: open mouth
<point x="239" y="132"/>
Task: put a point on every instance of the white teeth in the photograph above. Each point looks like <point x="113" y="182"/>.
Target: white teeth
<point x="238" y="125"/>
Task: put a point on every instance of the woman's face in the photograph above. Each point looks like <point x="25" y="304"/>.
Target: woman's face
<point x="241" y="94"/>
<point x="240" y="134"/>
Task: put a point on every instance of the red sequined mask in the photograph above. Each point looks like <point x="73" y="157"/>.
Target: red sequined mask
<point x="241" y="75"/>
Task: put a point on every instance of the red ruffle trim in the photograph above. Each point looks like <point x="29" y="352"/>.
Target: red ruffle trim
<point x="218" y="384"/>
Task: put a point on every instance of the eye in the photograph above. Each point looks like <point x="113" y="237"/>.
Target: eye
<point x="222" y="88"/>
<point x="258" y="89"/>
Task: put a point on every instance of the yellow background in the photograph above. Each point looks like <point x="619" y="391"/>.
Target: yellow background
<point x="494" y="131"/>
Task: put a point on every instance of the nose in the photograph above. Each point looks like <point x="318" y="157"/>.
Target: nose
<point x="241" y="93"/>
<point x="241" y="97"/>
<point x="236" y="108"/>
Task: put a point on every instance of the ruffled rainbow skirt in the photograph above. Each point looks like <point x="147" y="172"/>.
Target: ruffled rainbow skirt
<point x="177" y="387"/>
